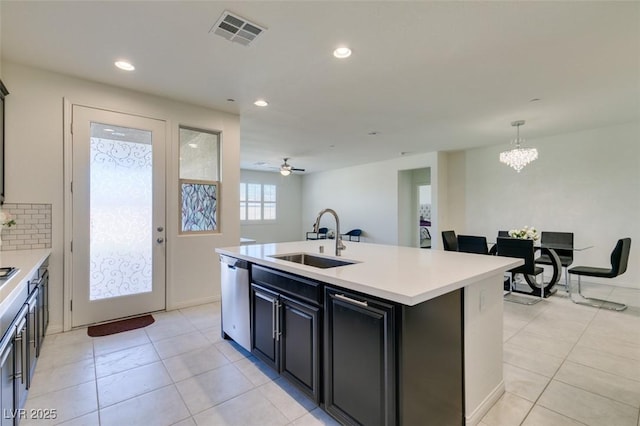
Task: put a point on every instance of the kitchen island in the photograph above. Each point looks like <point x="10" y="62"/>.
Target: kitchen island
<point x="398" y="336"/>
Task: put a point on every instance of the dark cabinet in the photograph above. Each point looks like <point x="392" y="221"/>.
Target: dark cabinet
<point x="43" y="307"/>
<point x="286" y="336"/>
<point x="300" y="349"/>
<point x="32" y="335"/>
<point x="387" y="364"/>
<point x="264" y="325"/>
<point x="359" y="355"/>
<point x="24" y="323"/>
<point x="21" y="357"/>
<point x="365" y="360"/>
<point x="286" y="330"/>
<point x="7" y="372"/>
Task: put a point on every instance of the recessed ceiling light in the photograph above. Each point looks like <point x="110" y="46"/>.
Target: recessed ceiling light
<point x="261" y="103"/>
<point x="342" y="52"/>
<point x="124" y="65"/>
<point x="373" y="133"/>
<point x="193" y="144"/>
<point x="108" y="130"/>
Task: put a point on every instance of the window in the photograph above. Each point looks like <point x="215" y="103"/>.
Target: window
<point x="257" y="201"/>
<point x="199" y="180"/>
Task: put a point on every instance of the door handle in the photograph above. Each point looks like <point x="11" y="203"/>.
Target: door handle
<point x="350" y="300"/>
<point x="160" y="240"/>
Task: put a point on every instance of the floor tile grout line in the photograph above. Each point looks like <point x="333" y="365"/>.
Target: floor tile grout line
<point x="135" y="396"/>
<point x="606" y="371"/>
<point x="556" y="373"/>
<point x="95" y="374"/>
<point x="597" y="394"/>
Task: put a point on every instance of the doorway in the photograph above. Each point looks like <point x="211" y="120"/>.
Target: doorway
<point x="424" y="215"/>
<point x="414" y="219"/>
<point x="118" y="215"/>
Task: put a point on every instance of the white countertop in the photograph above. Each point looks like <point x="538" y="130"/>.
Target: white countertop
<point x="27" y="261"/>
<point x="401" y="274"/>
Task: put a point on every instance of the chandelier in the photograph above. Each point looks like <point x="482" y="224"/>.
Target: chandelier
<point x="518" y="157"/>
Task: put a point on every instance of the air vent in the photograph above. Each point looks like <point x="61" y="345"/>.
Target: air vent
<point x="235" y="28"/>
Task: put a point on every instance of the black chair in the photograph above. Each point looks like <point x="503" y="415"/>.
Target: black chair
<point x="353" y="235"/>
<point x="320" y="235"/>
<point x="449" y="241"/>
<point x="619" y="260"/>
<point x="516" y="247"/>
<point x="565" y="255"/>
<point x="494" y="248"/>
<point x="472" y="244"/>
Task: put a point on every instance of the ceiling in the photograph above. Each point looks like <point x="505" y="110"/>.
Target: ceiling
<point x="423" y="76"/>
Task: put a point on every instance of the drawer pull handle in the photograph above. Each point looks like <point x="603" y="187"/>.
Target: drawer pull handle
<point x="350" y="300"/>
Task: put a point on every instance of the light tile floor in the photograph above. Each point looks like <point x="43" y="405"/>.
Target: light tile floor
<point x="564" y="364"/>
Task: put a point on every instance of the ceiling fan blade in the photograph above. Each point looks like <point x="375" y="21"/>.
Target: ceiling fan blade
<point x="293" y="169"/>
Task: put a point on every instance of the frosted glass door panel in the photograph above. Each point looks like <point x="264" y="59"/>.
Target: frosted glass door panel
<point x="118" y="242"/>
<point x="121" y="212"/>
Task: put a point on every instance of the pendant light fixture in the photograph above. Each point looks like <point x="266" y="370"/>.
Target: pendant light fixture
<point x="518" y="157"/>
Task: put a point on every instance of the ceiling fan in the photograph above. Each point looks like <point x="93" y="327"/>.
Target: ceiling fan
<point x="286" y="168"/>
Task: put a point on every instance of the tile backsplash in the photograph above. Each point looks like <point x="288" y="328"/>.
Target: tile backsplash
<point x="32" y="229"/>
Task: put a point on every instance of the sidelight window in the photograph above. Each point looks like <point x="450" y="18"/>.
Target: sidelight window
<point x="199" y="180"/>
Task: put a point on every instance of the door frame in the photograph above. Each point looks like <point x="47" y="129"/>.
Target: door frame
<point x="67" y="140"/>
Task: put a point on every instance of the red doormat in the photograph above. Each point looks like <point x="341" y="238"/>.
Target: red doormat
<point x="119" y="326"/>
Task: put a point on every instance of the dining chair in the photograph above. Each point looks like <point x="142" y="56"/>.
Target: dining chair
<point x="320" y="235"/>
<point x="494" y="248"/>
<point x="449" y="241"/>
<point x="619" y="260"/>
<point x="472" y="244"/>
<point x="353" y="235"/>
<point x="565" y="255"/>
<point x="516" y="247"/>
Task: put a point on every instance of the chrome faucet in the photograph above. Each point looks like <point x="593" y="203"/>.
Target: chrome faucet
<point x="316" y="227"/>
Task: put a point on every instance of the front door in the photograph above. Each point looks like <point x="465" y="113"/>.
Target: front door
<point x="118" y="199"/>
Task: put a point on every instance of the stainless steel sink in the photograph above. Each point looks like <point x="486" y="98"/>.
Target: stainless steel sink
<point x="312" y="260"/>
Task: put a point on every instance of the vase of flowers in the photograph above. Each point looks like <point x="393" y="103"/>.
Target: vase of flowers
<point x="5" y="220"/>
<point x="526" y="233"/>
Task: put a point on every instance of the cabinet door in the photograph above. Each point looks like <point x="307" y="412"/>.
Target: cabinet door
<point x="300" y="351"/>
<point x="20" y="358"/>
<point x="360" y="363"/>
<point x="32" y="335"/>
<point x="6" y="380"/>
<point x="43" y="308"/>
<point x="264" y="325"/>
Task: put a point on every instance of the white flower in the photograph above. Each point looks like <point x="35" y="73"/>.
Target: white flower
<point x="6" y="219"/>
<point x="526" y="233"/>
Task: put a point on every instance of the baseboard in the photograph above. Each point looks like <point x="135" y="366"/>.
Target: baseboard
<point x="474" y="418"/>
<point x="193" y="302"/>
<point x="54" y="329"/>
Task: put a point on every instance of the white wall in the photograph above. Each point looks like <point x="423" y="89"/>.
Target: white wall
<point x="288" y="225"/>
<point x="34" y="167"/>
<point x="585" y="182"/>
<point x="365" y="196"/>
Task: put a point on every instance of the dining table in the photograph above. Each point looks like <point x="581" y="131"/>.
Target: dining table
<point x="547" y="287"/>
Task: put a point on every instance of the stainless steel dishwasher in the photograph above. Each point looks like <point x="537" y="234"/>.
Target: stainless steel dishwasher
<point x="234" y="274"/>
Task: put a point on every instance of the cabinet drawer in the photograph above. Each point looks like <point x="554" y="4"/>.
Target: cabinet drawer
<point x="302" y="288"/>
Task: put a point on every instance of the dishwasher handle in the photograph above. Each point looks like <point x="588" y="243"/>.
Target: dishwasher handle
<point x="233" y="263"/>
